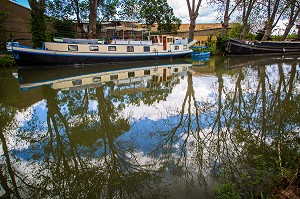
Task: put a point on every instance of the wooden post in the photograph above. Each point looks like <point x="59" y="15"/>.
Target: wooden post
<point x="298" y="37"/>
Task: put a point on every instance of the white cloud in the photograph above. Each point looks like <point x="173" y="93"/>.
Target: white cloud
<point x="206" y="12"/>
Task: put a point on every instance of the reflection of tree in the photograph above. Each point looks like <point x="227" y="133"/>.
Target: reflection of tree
<point x="262" y="122"/>
<point x="102" y="167"/>
<point x="179" y="136"/>
<point x="236" y="134"/>
<point x="7" y="180"/>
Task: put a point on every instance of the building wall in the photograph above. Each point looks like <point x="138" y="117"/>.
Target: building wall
<point x="202" y="32"/>
<point x="17" y="23"/>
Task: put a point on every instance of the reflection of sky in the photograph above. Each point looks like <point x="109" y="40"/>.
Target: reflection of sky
<point x="145" y="120"/>
<point x="150" y="126"/>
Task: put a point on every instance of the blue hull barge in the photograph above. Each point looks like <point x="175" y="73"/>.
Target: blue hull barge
<point x="74" y="52"/>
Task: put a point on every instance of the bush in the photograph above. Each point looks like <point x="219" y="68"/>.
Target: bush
<point x="221" y="43"/>
<point x="7" y="60"/>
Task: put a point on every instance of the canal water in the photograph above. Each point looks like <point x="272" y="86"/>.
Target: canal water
<point x="160" y="129"/>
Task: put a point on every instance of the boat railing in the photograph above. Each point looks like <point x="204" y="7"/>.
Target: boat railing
<point x="130" y="42"/>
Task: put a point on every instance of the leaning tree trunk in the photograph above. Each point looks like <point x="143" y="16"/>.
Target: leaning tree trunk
<point x="267" y="34"/>
<point x="295" y="12"/>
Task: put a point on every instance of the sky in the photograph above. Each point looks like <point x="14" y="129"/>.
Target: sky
<point x="206" y="13"/>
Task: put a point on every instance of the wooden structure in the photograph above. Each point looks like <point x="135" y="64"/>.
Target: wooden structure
<point x="298" y="37"/>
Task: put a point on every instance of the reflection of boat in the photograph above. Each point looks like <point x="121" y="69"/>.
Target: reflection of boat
<point x="237" y="47"/>
<point x="92" y="76"/>
<point x="200" y="51"/>
<point x="72" y="52"/>
<point x="233" y="62"/>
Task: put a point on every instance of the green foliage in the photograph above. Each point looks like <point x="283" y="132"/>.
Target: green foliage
<point x="107" y="10"/>
<point x="158" y="11"/>
<point x="63" y="28"/>
<point x="38" y="28"/>
<point x="292" y="36"/>
<point x="236" y="30"/>
<point x="60" y="9"/>
<point x="260" y="33"/>
<point x="227" y="191"/>
<point x="7" y="61"/>
<point x="221" y="43"/>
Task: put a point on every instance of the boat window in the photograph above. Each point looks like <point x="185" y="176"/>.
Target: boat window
<point x="77" y="82"/>
<point x="94" y="48"/>
<point x="146" y="48"/>
<point x="130" y="49"/>
<point x="72" y="47"/>
<point x="184" y="47"/>
<point x="170" y="40"/>
<point x="146" y="72"/>
<point x="97" y="79"/>
<point x="176" y="47"/>
<point x="112" y="77"/>
<point x="175" y="70"/>
<point x="131" y="74"/>
<point x="112" y="48"/>
<point x="154" y="39"/>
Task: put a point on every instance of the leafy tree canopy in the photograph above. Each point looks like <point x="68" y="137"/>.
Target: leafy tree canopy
<point x="150" y="12"/>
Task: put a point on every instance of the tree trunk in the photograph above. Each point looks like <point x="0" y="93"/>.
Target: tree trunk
<point x="267" y="34"/>
<point x="247" y="9"/>
<point x="287" y="31"/>
<point x="193" y="13"/>
<point x="77" y="11"/>
<point x="192" y="28"/>
<point x="93" y="19"/>
<point x="294" y="13"/>
<point x="246" y="29"/>
<point x="225" y="23"/>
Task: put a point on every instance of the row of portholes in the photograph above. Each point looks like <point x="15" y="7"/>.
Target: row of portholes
<point x="109" y="48"/>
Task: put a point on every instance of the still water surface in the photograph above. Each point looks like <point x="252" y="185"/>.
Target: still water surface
<point x="171" y="129"/>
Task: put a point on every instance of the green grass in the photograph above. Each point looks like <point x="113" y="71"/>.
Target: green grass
<point x="7" y="60"/>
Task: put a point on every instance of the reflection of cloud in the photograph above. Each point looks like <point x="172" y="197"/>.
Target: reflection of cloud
<point x="21" y="119"/>
<point x="93" y="105"/>
<point x="203" y="87"/>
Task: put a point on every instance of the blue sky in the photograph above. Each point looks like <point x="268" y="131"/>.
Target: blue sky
<point x="206" y="13"/>
<point x="23" y="3"/>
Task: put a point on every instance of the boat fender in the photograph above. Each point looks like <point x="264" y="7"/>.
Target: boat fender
<point x="283" y="49"/>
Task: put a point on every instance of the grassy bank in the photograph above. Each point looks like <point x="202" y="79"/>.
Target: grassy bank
<point x="7" y="60"/>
